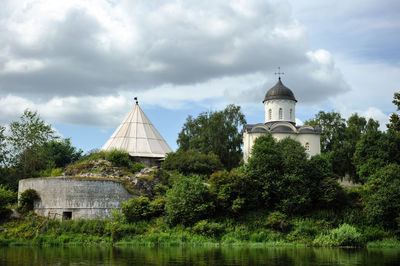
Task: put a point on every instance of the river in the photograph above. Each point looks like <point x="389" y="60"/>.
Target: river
<point x="196" y="256"/>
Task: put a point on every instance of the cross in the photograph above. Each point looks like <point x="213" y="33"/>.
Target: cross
<point x="136" y="100"/>
<point x="279" y="72"/>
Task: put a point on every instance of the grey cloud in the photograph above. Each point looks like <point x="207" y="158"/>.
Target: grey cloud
<point x="75" y="64"/>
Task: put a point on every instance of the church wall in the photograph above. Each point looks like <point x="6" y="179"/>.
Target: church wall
<point x="312" y="139"/>
<point x="248" y="142"/>
<point x="274" y="105"/>
<point x="82" y="198"/>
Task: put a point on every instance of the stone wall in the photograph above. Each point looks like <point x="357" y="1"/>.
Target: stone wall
<point x="74" y="198"/>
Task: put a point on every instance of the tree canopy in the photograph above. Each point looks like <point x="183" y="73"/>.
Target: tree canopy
<point x="215" y="132"/>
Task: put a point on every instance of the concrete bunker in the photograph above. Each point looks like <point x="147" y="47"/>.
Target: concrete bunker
<point x="75" y="198"/>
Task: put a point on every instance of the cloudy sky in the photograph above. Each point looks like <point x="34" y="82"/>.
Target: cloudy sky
<point x="80" y="63"/>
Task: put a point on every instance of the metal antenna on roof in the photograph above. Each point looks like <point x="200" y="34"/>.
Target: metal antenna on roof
<point x="279" y="73"/>
<point x="136" y="100"/>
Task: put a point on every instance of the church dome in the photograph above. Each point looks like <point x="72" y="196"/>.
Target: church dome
<point x="279" y="91"/>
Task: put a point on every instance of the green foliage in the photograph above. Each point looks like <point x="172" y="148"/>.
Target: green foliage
<point x="232" y="190"/>
<point x="395" y="118"/>
<point x="284" y="179"/>
<point x="215" y="132"/>
<point x="26" y="140"/>
<point x="305" y="229"/>
<point x="188" y="201"/>
<point x="381" y="196"/>
<point x="332" y="125"/>
<point x="118" y="158"/>
<point x="136" y="209"/>
<point x="3" y="147"/>
<point x="192" y="162"/>
<point x="26" y="200"/>
<point x="136" y="167"/>
<point x="60" y="152"/>
<point x="345" y="235"/>
<point x="277" y="220"/>
<point x="208" y="229"/>
<point x="6" y="197"/>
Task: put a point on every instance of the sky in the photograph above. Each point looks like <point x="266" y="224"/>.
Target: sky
<point x="79" y="64"/>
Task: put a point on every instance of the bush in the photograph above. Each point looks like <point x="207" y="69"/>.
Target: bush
<point x="136" y="167"/>
<point x="136" y="209"/>
<point x="27" y="199"/>
<point x="188" y="201"/>
<point x="6" y="197"/>
<point x="277" y="221"/>
<point x="192" y="162"/>
<point x="208" y="229"/>
<point x="232" y="190"/>
<point x="118" y="158"/>
<point x="345" y="235"/>
<point x="381" y="196"/>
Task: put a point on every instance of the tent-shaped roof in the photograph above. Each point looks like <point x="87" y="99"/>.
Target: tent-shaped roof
<point x="137" y="135"/>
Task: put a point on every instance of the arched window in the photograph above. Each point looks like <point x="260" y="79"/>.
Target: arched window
<point x="269" y="114"/>
<point x="280" y="114"/>
<point x="290" y="114"/>
<point x="307" y="146"/>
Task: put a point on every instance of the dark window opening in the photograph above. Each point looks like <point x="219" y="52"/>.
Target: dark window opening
<point x="67" y="216"/>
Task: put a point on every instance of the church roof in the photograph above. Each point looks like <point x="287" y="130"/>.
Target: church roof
<point x="137" y="135"/>
<point x="279" y="91"/>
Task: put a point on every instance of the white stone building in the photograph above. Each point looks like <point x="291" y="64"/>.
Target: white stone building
<point x="279" y="106"/>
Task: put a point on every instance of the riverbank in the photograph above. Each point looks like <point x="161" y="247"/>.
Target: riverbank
<point x="253" y="230"/>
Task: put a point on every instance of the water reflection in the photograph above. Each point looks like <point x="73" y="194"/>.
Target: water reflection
<point x="196" y="256"/>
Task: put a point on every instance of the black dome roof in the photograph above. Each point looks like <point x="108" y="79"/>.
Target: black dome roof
<point x="279" y="91"/>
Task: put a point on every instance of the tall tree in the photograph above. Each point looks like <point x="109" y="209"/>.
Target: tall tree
<point x="27" y="136"/>
<point x="216" y="132"/>
<point x="3" y="146"/>
<point x="395" y="118"/>
<point x="332" y="125"/>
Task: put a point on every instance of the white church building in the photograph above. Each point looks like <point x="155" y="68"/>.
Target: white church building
<point x="279" y="107"/>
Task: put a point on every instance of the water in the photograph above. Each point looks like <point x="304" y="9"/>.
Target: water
<point x="196" y="256"/>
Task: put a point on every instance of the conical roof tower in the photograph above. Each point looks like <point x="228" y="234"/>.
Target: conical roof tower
<point x="137" y="135"/>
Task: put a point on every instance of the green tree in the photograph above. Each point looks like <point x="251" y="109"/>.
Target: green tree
<point x="27" y="136"/>
<point x="192" y="162"/>
<point x="382" y="196"/>
<point x="60" y="152"/>
<point x="188" y="201"/>
<point x="395" y="118"/>
<point x="285" y="180"/>
<point x="332" y="125"/>
<point x="265" y="169"/>
<point x="233" y="191"/>
<point x="371" y="154"/>
<point x="6" y="197"/>
<point x="215" y="132"/>
<point x="3" y="147"/>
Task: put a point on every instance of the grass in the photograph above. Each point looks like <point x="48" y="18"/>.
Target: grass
<point x="249" y="231"/>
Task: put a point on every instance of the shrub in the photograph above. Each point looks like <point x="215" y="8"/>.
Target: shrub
<point x="136" y="167"/>
<point x="192" y="162"/>
<point x="156" y="206"/>
<point x="6" y="197"/>
<point x="232" y="190"/>
<point x="118" y="158"/>
<point x="27" y="199"/>
<point x="345" y="235"/>
<point x="208" y="229"/>
<point x="188" y="201"/>
<point x="277" y="220"/>
<point x="136" y="209"/>
<point x="381" y="196"/>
